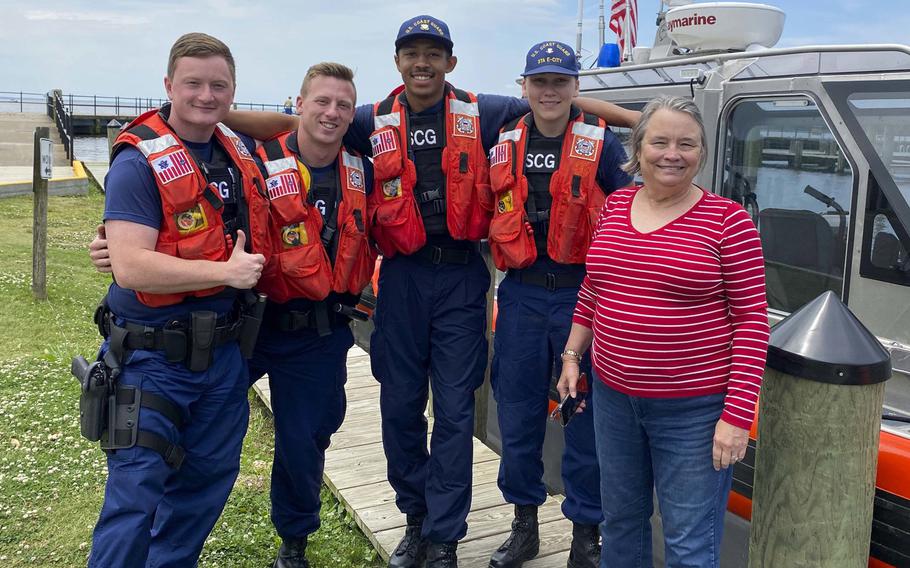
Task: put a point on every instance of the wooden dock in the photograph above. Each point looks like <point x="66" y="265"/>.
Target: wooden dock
<point x="355" y="471"/>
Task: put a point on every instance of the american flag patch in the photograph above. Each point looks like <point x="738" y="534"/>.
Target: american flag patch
<point x="499" y="154"/>
<point x="383" y="142"/>
<point x="281" y="185"/>
<point x="172" y="166"/>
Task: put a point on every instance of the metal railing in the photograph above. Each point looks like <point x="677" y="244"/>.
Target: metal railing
<point x="63" y="120"/>
<point x="101" y="105"/>
<point x="21" y="101"/>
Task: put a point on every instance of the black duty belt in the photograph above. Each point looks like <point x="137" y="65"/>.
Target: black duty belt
<point x="440" y="255"/>
<point x="322" y="317"/>
<point x="549" y="280"/>
<point x="162" y="338"/>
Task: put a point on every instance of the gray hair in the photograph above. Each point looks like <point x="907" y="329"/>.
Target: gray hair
<point x="663" y="102"/>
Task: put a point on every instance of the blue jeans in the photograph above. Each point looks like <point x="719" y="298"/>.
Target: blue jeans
<point x="665" y="444"/>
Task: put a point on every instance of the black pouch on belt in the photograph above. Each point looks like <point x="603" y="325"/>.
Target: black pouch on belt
<point x="202" y="340"/>
<point x="174" y="334"/>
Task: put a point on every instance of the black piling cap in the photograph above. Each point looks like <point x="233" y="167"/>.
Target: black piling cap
<point x="823" y="341"/>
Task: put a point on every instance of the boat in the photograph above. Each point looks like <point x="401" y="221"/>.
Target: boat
<point x="814" y="141"/>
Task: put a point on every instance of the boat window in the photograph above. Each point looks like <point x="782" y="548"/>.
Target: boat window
<point x="783" y="164"/>
<point x="884" y="118"/>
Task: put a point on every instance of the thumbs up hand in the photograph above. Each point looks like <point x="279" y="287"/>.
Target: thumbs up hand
<point x="243" y="268"/>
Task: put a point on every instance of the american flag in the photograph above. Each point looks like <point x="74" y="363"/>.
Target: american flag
<point x="281" y="185"/>
<point x="499" y="154"/>
<point x="383" y="142"/>
<point x="174" y="165"/>
<point x="618" y="24"/>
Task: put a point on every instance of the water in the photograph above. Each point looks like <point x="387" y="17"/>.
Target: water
<point x="90" y="148"/>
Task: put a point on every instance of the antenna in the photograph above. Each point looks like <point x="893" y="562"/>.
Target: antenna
<point x="601" y="25"/>
<point x="581" y="15"/>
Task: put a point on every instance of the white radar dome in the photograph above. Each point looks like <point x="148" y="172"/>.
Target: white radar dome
<point x="724" y="25"/>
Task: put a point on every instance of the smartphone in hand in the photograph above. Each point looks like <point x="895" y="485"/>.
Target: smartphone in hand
<point x="567" y="407"/>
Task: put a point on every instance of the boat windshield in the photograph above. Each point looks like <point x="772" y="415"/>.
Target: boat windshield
<point x="878" y="115"/>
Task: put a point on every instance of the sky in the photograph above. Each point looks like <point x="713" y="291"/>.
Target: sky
<point x="120" y="48"/>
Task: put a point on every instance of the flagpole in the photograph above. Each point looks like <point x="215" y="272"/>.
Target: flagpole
<point x="625" y="34"/>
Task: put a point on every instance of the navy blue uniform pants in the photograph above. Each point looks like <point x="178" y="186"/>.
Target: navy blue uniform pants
<point x="532" y="327"/>
<point x="307" y="374"/>
<point x="154" y="515"/>
<point x="430" y="329"/>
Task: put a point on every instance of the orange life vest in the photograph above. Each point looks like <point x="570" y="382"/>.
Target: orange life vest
<point x="577" y="198"/>
<point x="300" y="265"/>
<point x="192" y="227"/>
<point x="397" y="226"/>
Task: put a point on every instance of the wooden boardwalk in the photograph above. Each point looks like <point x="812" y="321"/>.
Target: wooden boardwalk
<point x="355" y="471"/>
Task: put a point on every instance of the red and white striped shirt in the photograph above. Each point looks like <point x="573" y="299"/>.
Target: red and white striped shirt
<point x="679" y="311"/>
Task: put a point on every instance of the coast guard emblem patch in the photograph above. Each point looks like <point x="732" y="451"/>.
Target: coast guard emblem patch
<point x="355" y="180"/>
<point x="464" y="126"/>
<point x="583" y="148"/>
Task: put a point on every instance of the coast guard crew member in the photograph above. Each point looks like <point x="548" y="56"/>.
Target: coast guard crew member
<point x="321" y="260"/>
<point x="184" y="202"/>
<point x="550" y="172"/>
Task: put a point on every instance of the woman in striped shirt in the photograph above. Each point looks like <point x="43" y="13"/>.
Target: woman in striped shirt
<point x="673" y="308"/>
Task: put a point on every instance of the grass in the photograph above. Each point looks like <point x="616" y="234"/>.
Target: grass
<point x="51" y="479"/>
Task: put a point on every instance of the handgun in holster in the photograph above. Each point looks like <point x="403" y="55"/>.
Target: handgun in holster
<point x="97" y="386"/>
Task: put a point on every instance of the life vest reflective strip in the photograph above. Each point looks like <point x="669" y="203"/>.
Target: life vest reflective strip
<point x="192" y="227"/>
<point x="396" y="224"/>
<point x="301" y="267"/>
<point x="577" y="198"/>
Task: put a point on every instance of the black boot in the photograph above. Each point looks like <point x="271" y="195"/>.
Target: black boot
<point x="411" y="552"/>
<point x="442" y="555"/>
<point x="524" y="542"/>
<point x="585" y="551"/>
<point x="292" y="554"/>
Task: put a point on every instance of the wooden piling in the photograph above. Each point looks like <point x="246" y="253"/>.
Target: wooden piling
<point x="39" y="220"/>
<point x="818" y="433"/>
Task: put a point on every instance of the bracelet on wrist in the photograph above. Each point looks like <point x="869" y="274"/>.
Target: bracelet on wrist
<point x="571" y="355"/>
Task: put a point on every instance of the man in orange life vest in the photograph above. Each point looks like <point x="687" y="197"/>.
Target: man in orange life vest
<point x="551" y="172"/>
<point x="184" y="202"/>
<point x="321" y="260"/>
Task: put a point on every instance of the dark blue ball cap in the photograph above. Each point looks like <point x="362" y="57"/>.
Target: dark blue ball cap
<point x="424" y="27"/>
<point x="551" y="57"/>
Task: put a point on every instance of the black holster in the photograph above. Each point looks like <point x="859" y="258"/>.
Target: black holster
<point x="96" y="387"/>
<point x="252" y="311"/>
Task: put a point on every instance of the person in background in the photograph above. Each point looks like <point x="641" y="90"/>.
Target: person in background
<point x="532" y="169"/>
<point x="673" y="308"/>
<point x="289" y="106"/>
